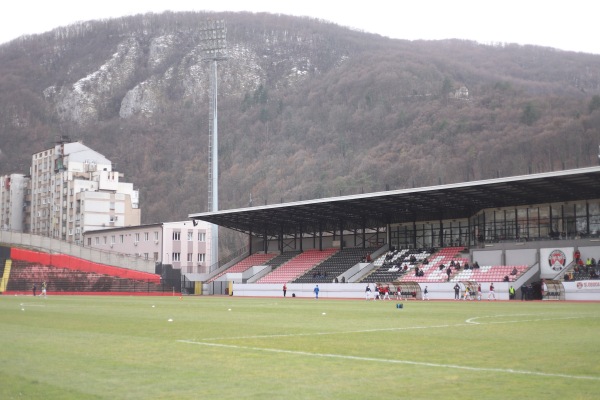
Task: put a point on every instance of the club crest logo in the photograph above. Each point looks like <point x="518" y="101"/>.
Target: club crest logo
<point x="557" y="260"/>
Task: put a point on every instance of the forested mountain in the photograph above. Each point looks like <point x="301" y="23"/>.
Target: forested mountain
<point x="307" y="109"/>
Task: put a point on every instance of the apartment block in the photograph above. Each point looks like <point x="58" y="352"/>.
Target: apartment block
<point x="13" y="207"/>
<point x="75" y="190"/>
<point x="182" y="244"/>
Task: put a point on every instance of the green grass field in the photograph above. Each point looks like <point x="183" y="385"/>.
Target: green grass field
<point x="92" y="347"/>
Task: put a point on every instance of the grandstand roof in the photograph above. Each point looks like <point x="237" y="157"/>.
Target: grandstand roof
<point x="452" y="201"/>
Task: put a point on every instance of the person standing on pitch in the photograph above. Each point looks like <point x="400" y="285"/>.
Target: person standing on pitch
<point x="456" y="292"/>
<point x="44" y="285"/>
<point x="467" y="293"/>
<point x="425" y="294"/>
<point x="479" y="292"/>
<point x="511" y="293"/>
<point x="492" y="293"/>
<point x="284" y="289"/>
<point x="316" y="290"/>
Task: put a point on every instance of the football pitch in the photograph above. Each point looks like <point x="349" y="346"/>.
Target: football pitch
<point x="129" y="347"/>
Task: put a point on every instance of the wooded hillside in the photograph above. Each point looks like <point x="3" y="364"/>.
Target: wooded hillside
<point x="307" y="109"/>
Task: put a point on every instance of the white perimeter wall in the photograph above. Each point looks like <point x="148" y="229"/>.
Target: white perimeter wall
<point x="578" y="291"/>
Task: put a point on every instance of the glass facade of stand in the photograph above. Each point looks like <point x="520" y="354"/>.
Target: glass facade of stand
<point x="515" y="224"/>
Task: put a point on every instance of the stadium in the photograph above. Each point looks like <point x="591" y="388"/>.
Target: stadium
<point x="133" y="335"/>
<point x="530" y="232"/>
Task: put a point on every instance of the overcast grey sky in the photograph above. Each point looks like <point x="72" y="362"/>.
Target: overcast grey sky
<point x="566" y="25"/>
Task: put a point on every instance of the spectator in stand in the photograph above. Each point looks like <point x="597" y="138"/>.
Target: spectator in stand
<point x="417" y="271"/>
<point x="475" y="265"/>
<point x="467" y="266"/>
<point x="449" y="272"/>
<point x="514" y="271"/>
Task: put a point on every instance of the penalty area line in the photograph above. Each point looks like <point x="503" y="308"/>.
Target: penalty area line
<point x="390" y="361"/>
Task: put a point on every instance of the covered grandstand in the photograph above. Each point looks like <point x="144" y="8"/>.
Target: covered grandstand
<point x="532" y="223"/>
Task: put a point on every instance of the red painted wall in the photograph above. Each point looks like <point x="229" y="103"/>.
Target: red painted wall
<point x="78" y="264"/>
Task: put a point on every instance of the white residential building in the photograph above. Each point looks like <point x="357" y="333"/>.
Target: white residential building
<point x="182" y="244"/>
<point x="13" y="189"/>
<point x="74" y="190"/>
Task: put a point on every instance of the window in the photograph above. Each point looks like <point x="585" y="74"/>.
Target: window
<point x="176" y="257"/>
<point x="190" y="236"/>
<point x="201" y="236"/>
<point x="121" y="239"/>
<point x="137" y="237"/>
<point x="97" y="240"/>
<point x="201" y="257"/>
<point x="145" y="256"/>
<point x="146" y="235"/>
<point x="189" y="257"/>
<point x="112" y="239"/>
<point x="155" y="235"/>
<point x="176" y="235"/>
<point x="105" y="239"/>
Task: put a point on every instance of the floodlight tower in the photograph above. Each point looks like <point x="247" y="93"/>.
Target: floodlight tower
<point x="213" y="43"/>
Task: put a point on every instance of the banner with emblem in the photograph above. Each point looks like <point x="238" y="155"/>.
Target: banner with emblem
<point x="554" y="260"/>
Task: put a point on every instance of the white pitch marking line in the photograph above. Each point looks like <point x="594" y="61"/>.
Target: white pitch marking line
<point x="468" y="322"/>
<point x="331" y="333"/>
<point x="473" y="322"/>
<point x="32" y="305"/>
<point x="383" y="360"/>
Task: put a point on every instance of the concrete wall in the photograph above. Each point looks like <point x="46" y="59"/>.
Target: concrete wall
<point x="487" y="257"/>
<point x="49" y="245"/>
<point x="575" y="291"/>
<point x="521" y="257"/>
<point x="437" y="291"/>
